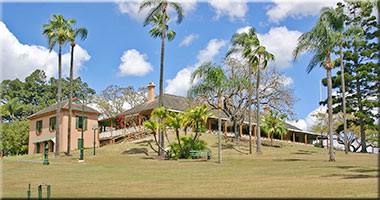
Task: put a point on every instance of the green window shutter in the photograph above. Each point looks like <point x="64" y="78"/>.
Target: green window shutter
<point x="77" y="122"/>
<point x="85" y="123"/>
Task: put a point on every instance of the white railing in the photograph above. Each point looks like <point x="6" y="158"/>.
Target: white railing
<point x="115" y="133"/>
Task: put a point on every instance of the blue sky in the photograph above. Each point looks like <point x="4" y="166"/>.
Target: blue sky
<point x="116" y="30"/>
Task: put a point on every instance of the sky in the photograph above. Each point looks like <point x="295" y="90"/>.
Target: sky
<point x="120" y="51"/>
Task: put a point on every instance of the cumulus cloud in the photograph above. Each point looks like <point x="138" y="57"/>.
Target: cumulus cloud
<point x="132" y="7"/>
<point x="280" y="42"/>
<point x="310" y="120"/>
<point x="134" y="63"/>
<point x="281" y="9"/>
<point x="234" y="9"/>
<point x="18" y="60"/>
<point x="181" y="83"/>
<point x="188" y="40"/>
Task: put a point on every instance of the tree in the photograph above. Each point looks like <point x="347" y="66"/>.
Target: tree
<point x="273" y="124"/>
<point x="320" y="41"/>
<point x="159" y="114"/>
<point x="113" y="100"/>
<point x="73" y="34"/>
<point x="57" y="31"/>
<point x="175" y="120"/>
<point x="19" y="99"/>
<point x="361" y="69"/>
<point x="158" y="12"/>
<point x="211" y="80"/>
<point x="335" y="19"/>
<point x="14" y="137"/>
<point x="258" y="57"/>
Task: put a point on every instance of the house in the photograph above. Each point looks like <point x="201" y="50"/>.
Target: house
<point x="43" y="125"/>
<point x="134" y="118"/>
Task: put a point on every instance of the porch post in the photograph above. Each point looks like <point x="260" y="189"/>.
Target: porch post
<point x="294" y="137"/>
<point x="241" y="130"/>
<point x="209" y="125"/>
<point x="254" y="130"/>
<point x="305" y="138"/>
<point x="225" y="127"/>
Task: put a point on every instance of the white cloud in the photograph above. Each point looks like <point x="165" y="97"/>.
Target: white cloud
<point x="310" y="120"/>
<point x="280" y="42"/>
<point x="188" y="40"/>
<point x="231" y="8"/>
<point x="181" y="83"/>
<point x="296" y="8"/>
<point x="286" y="80"/>
<point x="133" y="63"/>
<point x="132" y="7"/>
<point x="18" y="60"/>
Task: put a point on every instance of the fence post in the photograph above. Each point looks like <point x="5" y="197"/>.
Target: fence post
<point x="40" y="192"/>
<point x="48" y="191"/>
<point x="29" y="193"/>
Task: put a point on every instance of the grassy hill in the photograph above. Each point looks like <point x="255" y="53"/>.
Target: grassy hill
<point x="292" y="170"/>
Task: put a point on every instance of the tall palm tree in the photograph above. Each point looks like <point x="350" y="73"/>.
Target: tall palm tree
<point x="320" y="41"/>
<point x="335" y="19"/>
<point x="258" y="57"/>
<point x="74" y="33"/>
<point x="212" y="81"/>
<point x="57" y="31"/>
<point x="158" y="10"/>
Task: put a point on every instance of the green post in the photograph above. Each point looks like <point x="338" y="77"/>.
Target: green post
<point x="94" y="141"/>
<point x="46" y="153"/>
<point x="40" y="192"/>
<point x="29" y="193"/>
<point x="48" y="191"/>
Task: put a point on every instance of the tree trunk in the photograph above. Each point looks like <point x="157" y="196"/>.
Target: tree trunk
<point x="258" y="140"/>
<point x="178" y="139"/>
<point x="250" y="109"/>
<point x="160" y="97"/>
<point x="271" y="139"/>
<point x="70" y="99"/>
<point x="219" y="128"/>
<point x="330" y="118"/>
<point x="58" y="112"/>
<point x="345" y="141"/>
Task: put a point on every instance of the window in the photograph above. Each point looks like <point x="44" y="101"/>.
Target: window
<point x="81" y="122"/>
<point x="39" y="127"/>
<point x="52" y="123"/>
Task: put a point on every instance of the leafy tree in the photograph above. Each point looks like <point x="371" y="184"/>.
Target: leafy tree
<point x="72" y="35"/>
<point x="361" y="70"/>
<point x="320" y="41"/>
<point x="19" y="99"/>
<point x="211" y="80"/>
<point x="175" y="121"/>
<point x="57" y="31"/>
<point x="273" y="124"/>
<point x="158" y="11"/>
<point x="14" y="137"/>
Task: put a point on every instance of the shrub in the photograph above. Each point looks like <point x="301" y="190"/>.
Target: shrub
<point x="186" y="142"/>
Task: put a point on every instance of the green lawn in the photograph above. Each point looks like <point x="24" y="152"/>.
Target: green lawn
<point x="290" y="171"/>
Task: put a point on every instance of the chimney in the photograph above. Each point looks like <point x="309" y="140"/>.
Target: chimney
<point x="151" y="91"/>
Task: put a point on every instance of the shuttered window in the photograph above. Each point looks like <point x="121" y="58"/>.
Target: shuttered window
<point x="81" y="122"/>
<point x="52" y="123"/>
<point x="39" y="127"/>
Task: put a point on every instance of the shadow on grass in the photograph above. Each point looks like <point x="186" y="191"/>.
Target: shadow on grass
<point x="289" y="160"/>
<point x="351" y="176"/>
<point x="304" y="152"/>
<point x="365" y="170"/>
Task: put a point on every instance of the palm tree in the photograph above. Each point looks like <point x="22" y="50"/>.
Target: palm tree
<point x="212" y="80"/>
<point x="320" y="40"/>
<point x="258" y="57"/>
<point x="158" y="10"/>
<point x="82" y="32"/>
<point x="197" y="119"/>
<point x="175" y="120"/>
<point x="273" y="123"/>
<point x="159" y="114"/>
<point x="335" y="19"/>
<point x="57" y="31"/>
